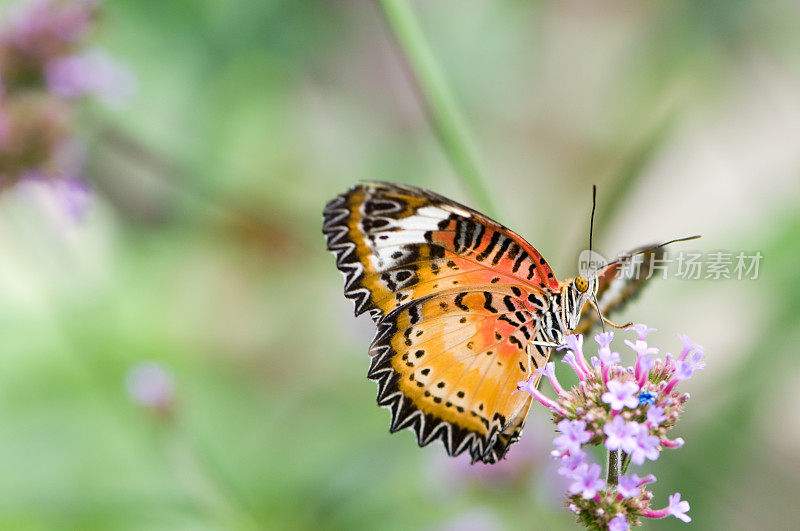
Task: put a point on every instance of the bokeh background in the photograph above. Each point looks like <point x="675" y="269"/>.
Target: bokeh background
<point x="178" y="355"/>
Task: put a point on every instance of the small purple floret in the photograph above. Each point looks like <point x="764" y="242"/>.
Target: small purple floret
<point x="621" y="435"/>
<point x="678" y="508"/>
<point x="587" y="480"/>
<point x="549" y="370"/>
<point x="573" y="435"/>
<point x="646" y="446"/>
<point x="629" y="486"/>
<point x="688" y="346"/>
<point x="604" y="339"/>
<point x="642" y="330"/>
<point x="570" y="462"/>
<point x="641" y="348"/>
<point x="620" y="395"/>
<point x="655" y="415"/>
<point x="608" y="357"/>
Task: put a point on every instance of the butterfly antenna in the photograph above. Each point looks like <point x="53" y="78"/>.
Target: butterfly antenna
<point x="591" y="232"/>
<point x="653" y="248"/>
<point x="596" y="305"/>
<point x="591" y="219"/>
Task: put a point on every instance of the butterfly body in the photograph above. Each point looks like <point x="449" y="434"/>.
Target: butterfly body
<point x="465" y="308"/>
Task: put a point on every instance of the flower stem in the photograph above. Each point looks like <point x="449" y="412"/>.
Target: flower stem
<point x="612" y="478"/>
<point x="440" y="105"/>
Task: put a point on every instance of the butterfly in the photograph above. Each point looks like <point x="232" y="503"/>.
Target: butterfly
<point x="465" y="308"/>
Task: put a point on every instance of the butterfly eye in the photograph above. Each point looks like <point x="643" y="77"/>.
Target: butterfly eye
<point x="582" y="283"/>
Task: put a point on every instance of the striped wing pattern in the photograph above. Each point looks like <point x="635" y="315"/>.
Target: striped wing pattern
<point x="398" y="243"/>
<point x="456" y="298"/>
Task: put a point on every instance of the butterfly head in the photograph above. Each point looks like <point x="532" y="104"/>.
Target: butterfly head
<point x="575" y="294"/>
<point x="581" y="283"/>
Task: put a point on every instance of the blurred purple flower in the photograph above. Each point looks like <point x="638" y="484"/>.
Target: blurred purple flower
<point x="63" y="199"/>
<point x="150" y="384"/>
<point x="43" y="28"/>
<point x="5" y="126"/>
<point x="520" y="461"/>
<point x="92" y="73"/>
<point x="474" y="520"/>
<point x="618" y="523"/>
<point x="76" y="196"/>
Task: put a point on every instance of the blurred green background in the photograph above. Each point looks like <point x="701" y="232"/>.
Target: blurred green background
<point x="202" y="251"/>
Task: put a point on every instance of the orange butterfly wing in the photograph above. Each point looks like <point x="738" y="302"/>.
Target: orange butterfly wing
<point x="456" y="297"/>
<point x="447" y="366"/>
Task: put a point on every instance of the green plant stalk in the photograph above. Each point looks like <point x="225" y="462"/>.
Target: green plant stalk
<point x="612" y="478"/>
<point x="440" y="105"/>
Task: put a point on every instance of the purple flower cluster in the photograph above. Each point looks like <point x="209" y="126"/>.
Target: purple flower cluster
<point x="44" y="69"/>
<point x="151" y="385"/>
<point x="628" y="410"/>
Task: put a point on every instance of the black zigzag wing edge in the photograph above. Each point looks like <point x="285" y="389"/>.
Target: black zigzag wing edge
<point x="336" y="230"/>
<point x="335" y="227"/>
<point x="427" y="427"/>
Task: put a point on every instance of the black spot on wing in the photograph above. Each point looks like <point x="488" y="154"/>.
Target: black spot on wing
<point x="437" y="252"/>
<point x="487" y="302"/>
<point x="458" y="302"/>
